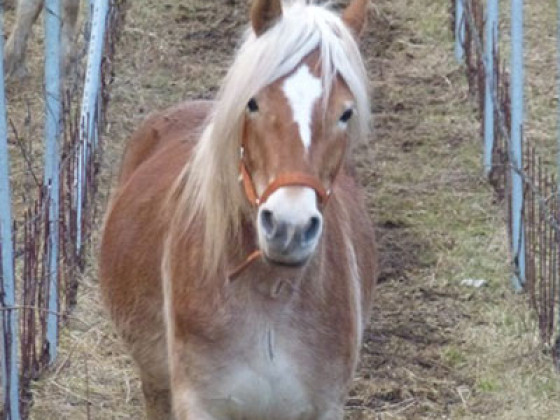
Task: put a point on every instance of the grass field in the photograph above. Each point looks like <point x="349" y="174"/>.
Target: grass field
<point x="435" y="348"/>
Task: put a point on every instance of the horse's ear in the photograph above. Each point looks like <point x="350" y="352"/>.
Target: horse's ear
<point x="264" y="14"/>
<point x="354" y="16"/>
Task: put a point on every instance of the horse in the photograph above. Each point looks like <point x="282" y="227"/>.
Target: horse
<point x="27" y="12"/>
<point x="237" y="258"/>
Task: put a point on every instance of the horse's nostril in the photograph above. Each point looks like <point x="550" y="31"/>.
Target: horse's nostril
<point x="312" y="229"/>
<point x="267" y="222"/>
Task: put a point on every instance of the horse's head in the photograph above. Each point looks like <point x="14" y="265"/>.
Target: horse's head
<point x="295" y="136"/>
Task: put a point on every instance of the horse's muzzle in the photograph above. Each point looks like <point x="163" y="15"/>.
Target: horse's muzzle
<point x="290" y="226"/>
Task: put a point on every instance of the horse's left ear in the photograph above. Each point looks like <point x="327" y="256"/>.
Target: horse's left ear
<point x="264" y="14"/>
<point x="354" y="16"/>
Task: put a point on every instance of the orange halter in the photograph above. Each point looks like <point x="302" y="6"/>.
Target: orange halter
<point x="286" y="179"/>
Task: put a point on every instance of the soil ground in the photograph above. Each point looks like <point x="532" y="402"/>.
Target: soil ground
<point x="435" y="348"/>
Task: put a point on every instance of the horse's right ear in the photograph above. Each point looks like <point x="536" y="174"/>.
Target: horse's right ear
<point x="264" y="14"/>
<point x="355" y="16"/>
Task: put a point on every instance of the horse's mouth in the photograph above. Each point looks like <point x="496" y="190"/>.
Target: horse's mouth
<point x="286" y="260"/>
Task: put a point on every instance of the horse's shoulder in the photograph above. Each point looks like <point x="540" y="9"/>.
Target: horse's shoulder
<point x="352" y="197"/>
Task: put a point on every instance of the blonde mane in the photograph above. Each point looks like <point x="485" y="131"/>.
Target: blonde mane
<point x="208" y="189"/>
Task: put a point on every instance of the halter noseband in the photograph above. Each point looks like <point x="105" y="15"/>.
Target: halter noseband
<point x="286" y="179"/>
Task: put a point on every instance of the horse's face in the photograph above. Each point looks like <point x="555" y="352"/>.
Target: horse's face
<point x="294" y="133"/>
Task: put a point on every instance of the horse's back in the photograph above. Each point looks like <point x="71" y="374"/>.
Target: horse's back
<point x="180" y="122"/>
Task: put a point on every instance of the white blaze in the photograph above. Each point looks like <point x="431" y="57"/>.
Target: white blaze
<point x="302" y="90"/>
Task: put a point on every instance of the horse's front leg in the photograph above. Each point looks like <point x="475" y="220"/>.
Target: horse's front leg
<point x="14" y="55"/>
<point x="157" y="399"/>
<point x="186" y="406"/>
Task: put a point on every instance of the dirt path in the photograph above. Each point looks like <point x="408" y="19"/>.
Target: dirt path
<point x="435" y="349"/>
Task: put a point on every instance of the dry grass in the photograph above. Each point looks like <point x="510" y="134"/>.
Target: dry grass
<point x="435" y="349"/>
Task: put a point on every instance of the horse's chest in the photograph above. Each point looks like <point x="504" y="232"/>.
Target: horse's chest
<point x="278" y="358"/>
<point x="264" y="379"/>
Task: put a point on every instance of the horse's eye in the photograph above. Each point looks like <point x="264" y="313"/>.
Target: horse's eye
<point x="346" y="115"/>
<point x="252" y="105"/>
